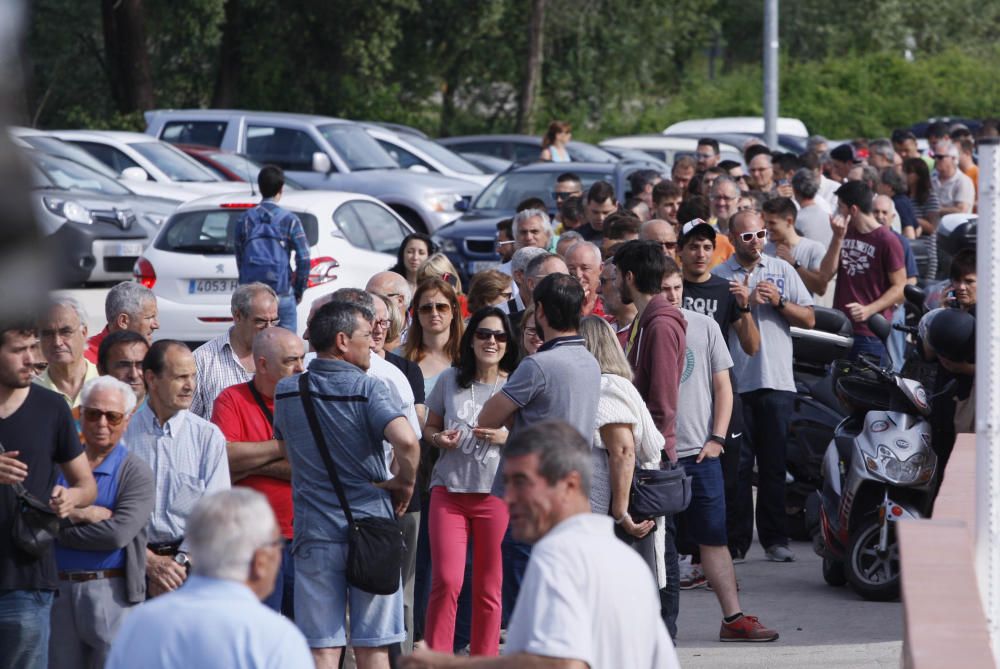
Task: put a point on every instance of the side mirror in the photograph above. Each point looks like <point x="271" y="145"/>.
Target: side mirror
<point x="321" y="163"/>
<point x="915" y="296"/>
<point x="462" y="205"/>
<point x="419" y="169"/>
<point x="880" y="326"/>
<point x="134" y="174"/>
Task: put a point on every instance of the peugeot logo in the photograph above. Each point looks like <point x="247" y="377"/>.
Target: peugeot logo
<point x="123" y="218"/>
<point x="220" y="269"/>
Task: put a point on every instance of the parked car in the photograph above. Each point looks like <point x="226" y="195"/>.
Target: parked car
<point x="738" y="125"/>
<point x="320" y="152"/>
<point x="150" y="212"/>
<point x="137" y="157"/>
<point x="423" y="155"/>
<point x="488" y="164"/>
<point x="469" y="241"/>
<point x="230" y="166"/>
<point x="92" y="237"/>
<point x="522" y="149"/>
<point x="666" y="148"/>
<point x="191" y="268"/>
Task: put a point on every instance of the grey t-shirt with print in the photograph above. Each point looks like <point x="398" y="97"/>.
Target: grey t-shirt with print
<point x="472" y="465"/>
<point x="705" y="354"/>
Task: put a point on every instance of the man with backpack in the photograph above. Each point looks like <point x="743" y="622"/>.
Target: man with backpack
<point x="264" y="239"/>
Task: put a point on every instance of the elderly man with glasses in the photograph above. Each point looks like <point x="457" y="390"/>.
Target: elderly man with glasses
<point x="228" y="359"/>
<point x="217" y="619"/>
<point x="101" y="553"/>
<point x="63" y="333"/>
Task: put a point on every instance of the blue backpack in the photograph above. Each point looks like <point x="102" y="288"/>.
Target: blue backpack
<point x="265" y="250"/>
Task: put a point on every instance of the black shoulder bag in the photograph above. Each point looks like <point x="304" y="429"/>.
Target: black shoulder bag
<point x="35" y="524"/>
<point x="659" y="492"/>
<point x="374" y="545"/>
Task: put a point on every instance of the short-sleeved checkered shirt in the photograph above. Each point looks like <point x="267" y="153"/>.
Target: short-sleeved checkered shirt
<point x="218" y="368"/>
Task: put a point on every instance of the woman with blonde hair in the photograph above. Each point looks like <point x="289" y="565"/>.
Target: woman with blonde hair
<point x="531" y="339"/>
<point x="439" y="267"/>
<point x="625" y="437"/>
<point x="489" y="288"/>
<point x="554" y="142"/>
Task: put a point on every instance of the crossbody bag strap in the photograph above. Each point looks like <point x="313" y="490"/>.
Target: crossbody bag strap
<point x="331" y="469"/>
<point x="18" y="488"/>
<point x="260" y="402"/>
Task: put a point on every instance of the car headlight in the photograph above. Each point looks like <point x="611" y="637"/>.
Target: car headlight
<point x="441" y="202"/>
<point x="68" y="209"/>
<point x="446" y="245"/>
<point x="918" y="468"/>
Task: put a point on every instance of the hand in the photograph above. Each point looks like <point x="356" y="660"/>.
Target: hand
<point x="90" y="514"/>
<point x="766" y="293"/>
<point x="12" y="470"/>
<point x="741" y="291"/>
<point x="491" y="435"/>
<point x="638" y="530"/>
<point x="784" y="251"/>
<point x="838" y="224"/>
<point x="427" y="659"/>
<point x="446" y="439"/>
<point x="785" y="190"/>
<point x="400" y="490"/>
<point x="61" y="501"/>
<point x="858" y="312"/>
<point x="164" y="574"/>
<point x="712" y="449"/>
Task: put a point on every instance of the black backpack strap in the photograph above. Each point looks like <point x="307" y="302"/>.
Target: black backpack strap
<point x="260" y="402"/>
<point x="331" y="469"/>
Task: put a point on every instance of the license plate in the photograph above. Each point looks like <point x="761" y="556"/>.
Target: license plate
<point x="477" y="266"/>
<point x="133" y="249"/>
<point x="200" y="286"/>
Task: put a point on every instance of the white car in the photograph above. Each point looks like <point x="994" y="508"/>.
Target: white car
<point x="741" y="125"/>
<point x="191" y="268"/>
<point x="666" y="148"/>
<point x="419" y="154"/>
<point x="138" y="157"/>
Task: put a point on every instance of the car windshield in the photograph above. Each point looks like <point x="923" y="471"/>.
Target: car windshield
<point x="246" y="168"/>
<point x="509" y="190"/>
<point x="173" y="163"/>
<point x="356" y="147"/>
<point x="210" y="231"/>
<point x="64" y="173"/>
<point x="446" y="157"/>
<point x="57" y="147"/>
<point x="588" y="153"/>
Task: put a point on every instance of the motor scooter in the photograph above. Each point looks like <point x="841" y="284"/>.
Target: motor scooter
<point x="878" y="469"/>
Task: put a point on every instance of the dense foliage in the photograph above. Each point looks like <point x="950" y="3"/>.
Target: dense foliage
<point x="452" y="66"/>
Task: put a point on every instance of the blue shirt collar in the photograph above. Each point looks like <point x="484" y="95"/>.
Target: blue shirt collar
<point x="113" y="459"/>
<point x="569" y="340"/>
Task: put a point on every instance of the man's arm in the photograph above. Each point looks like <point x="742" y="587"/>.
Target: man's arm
<point x="277" y="469"/>
<point x="82" y="490"/>
<point x="132" y="509"/>
<point x="831" y="259"/>
<point x="245" y="457"/>
<point x="301" y="245"/>
<point x="406" y="457"/>
<point x="745" y="325"/>
<point x="890" y="298"/>
<point x="813" y="280"/>
<point x="498" y="412"/>
<point x="722" y="411"/>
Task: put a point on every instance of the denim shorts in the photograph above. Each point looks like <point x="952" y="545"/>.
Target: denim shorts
<point x="321" y="602"/>
<point x="705" y="517"/>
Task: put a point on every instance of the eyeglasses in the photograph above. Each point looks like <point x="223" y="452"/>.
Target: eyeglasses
<point x="384" y="323"/>
<point x="484" y="334"/>
<point x="62" y="333"/>
<point x="532" y="332"/>
<point x="266" y="322"/>
<point x="749" y="236"/>
<point x="501" y="244"/>
<point x="723" y="198"/>
<point x="93" y="415"/>
<point x="563" y="196"/>
<point x="705" y="156"/>
<point x="431" y="307"/>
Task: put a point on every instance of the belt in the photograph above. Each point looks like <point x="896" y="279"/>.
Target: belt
<point x="80" y="576"/>
<point x="168" y="548"/>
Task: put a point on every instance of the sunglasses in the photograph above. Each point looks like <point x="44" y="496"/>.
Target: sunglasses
<point x="670" y="246"/>
<point x="431" y="307"/>
<point x="749" y="236"/>
<point x="484" y="334"/>
<point x="93" y="415"/>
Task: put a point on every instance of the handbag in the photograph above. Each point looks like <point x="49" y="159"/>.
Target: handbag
<point x="374" y="545"/>
<point x="35" y="525"/>
<point x="659" y="492"/>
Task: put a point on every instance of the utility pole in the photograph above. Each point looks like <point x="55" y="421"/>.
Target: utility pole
<point x="771" y="73"/>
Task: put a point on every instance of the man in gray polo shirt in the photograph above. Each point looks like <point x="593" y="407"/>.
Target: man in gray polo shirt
<point x="778" y="300"/>
<point x="562" y="381"/>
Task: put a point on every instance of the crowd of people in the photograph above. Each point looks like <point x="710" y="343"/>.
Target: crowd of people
<point x="500" y="428"/>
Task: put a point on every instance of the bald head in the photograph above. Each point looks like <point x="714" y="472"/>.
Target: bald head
<point x="661" y="232"/>
<point x="277" y="353"/>
<point x="884" y="210"/>
<point x="391" y="285"/>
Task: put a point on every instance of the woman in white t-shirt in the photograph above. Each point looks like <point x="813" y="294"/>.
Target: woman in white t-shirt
<point x="625" y="437"/>
<point x="462" y="507"/>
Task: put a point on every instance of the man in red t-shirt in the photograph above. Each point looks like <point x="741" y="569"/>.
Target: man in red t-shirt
<point x="245" y="414"/>
<point x="868" y="261"/>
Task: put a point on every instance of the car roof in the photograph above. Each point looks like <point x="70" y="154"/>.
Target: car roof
<point x="659" y="141"/>
<point x="194" y="114"/>
<point x="564" y="167"/>
<point x="491" y="138"/>
<point x="737" y="124"/>
<point x="120" y="136"/>
<point x="306" y="200"/>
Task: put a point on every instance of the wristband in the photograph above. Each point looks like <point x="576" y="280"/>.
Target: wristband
<point x="619" y="521"/>
<point x="745" y="310"/>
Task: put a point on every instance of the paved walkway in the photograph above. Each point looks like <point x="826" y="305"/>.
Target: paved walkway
<point x="820" y="626"/>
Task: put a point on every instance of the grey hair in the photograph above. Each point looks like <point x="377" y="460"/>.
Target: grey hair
<point x="69" y="303"/>
<point x="522" y="216"/>
<point x="126" y="298"/>
<point x="594" y="249"/>
<point x="244" y="294"/>
<point x="225" y="529"/>
<point x="522" y="257"/>
<point x="722" y="180"/>
<point x="333" y="318"/>
<point x="894" y="180"/>
<point x="109" y="383"/>
<point x="600" y="339"/>
<point x="560" y="448"/>
<point x="570" y="235"/>
<point x="814" y="141"/>
<point x="870" y="176"/>
<point x="805" y="182"/>
<point x="355" y="296"/>
<point x="535" y="264"/>
<point x="882" y="147"/>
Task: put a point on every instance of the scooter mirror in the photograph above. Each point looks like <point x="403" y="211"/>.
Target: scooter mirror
<point x="915" y="296"/>
<point x="880" y="326"/>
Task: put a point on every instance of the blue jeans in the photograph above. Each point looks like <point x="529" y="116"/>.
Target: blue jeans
<point x="282" y="599"/>
<point x="897" y="342"/>
<point x="288" y="312"/>
<point x="670" y="596"/>
<point x="867" y="344"/>
<point x="515" y="562"/>
<point x="24" y="628"/>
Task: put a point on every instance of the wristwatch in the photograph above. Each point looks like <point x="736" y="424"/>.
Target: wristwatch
<point x="781" y="303"/>
<point x="797" y="264"/>
<point x="745" y="310"/>
<point x="720" y="440"/>
<point x="619" y="521"/>
<point x="183" y="560"/>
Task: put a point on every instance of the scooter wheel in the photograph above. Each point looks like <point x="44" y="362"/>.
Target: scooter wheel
<point x="833" y="572"/>
<point x="873" y="576"/>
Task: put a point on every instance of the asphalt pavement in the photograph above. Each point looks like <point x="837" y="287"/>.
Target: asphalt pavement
<point x="820" y="626"/>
